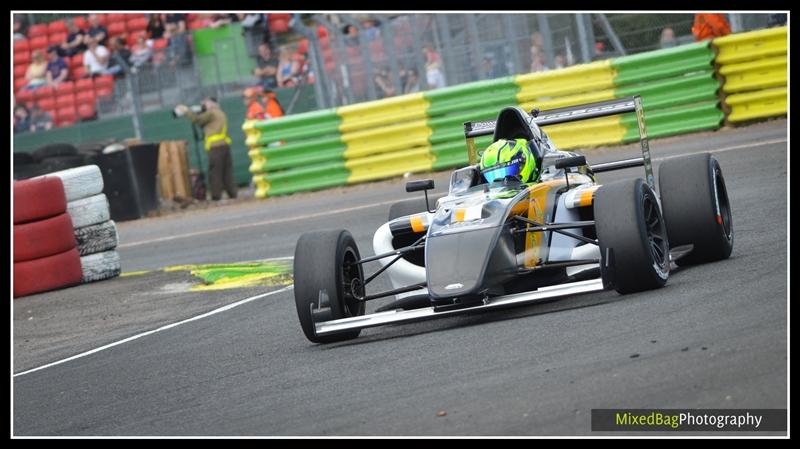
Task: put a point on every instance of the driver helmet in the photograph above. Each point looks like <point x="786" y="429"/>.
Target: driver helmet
<point x="518" y="158"/>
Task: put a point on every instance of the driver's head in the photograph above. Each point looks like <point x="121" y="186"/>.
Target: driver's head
<point x="511" y="158"/>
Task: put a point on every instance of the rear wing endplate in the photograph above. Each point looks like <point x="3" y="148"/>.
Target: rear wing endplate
<point x="572" y="114"/>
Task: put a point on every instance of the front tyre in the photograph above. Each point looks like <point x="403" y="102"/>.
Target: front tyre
<point x="629" y="222"/>
<point x="327" y="278"/>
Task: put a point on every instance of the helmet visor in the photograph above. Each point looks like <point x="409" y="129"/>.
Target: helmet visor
<point x="498" y="173"/>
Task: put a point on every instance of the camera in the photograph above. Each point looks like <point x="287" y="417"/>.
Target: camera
<point x="196" y="109"/>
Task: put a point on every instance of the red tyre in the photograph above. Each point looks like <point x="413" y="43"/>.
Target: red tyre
<point x="43" y="238"/>
<point x="36" y="199"/>
<point x="48" y="273"/>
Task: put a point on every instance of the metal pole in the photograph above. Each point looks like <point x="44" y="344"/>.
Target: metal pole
<point x="317" y="63"/>
<point x="137" y="107"/>
<point x="472" y="35"/>
<point x="448" y="48"/>
<point x="340" y="55"/>
<point x="516" y="64"/>
<point x="582" y="38"/>
<point x="736" y="22"/>
<point x="388" y="43"/>
<point x="365" y="57"/>
<point x="418" y="59"/>
<point x="587" y="19"/>
<point x="612" y="36"/>
<point x="547" y="37"/>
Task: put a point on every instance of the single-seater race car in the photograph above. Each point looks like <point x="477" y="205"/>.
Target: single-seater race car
<point x="489" y="245"/>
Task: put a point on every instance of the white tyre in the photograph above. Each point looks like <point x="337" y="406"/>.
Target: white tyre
<point x="97" y="238"/>
<point x="89" y="211"/>
<point x="80" y="182"/>
<point x="99" y="266"/>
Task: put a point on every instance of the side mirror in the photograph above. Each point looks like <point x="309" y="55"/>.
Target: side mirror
<point x="422" y="184"/>
<point x="574" y="161"/>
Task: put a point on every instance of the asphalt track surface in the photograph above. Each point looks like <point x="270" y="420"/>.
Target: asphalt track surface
<point x="714" y="337"/>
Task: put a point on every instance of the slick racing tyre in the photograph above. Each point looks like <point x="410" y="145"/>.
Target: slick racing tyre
<point x="89" y="211"/>
<point x="80" y="182"/>
<point x="99" y="266"/>
<point x="696" y="208"/>
<point x="633" y="237"/>
<point x="54" y="150"/>
<point x="97" y="238"/>
<point x="326" y="279"/>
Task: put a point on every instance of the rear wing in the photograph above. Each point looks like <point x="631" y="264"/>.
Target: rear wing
<point x="574" y="114"/>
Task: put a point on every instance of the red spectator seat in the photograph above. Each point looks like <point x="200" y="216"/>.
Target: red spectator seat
<point x="132" y="37"/>
<point x="38" y="43"/>
<point x="86" y="111"/>
<point x="63" y="101"/>
<point x="191" y="17"/>
<point x="82" y="23"/>
<point x="84" y="84"/>
<point x="85" y="97"/>
<point x="65" y="88"/>
<point x="57" y="38"/>
<point x="115" y="18"/>
<point x="57" y="26"/>
<point x="102" y="18"/>
<point x="21" y="45"/>
<point x="136" y="16"/>
<point x="103" y="91"/>
<point x="19" y="70"/>
<point x="282" y="16"/>
<point x="40" y="29"/>
<point x="137" y="24"/>
<point x="104" y="81"/>
<point x="66" y="116"/>
<point x="76" y="61"/>
<point x="22" y="57"/>
<point x="48" y="104"/>
<point x="116" y="28"/>
<point x="197" y="24"/>
<point x="302" y="47"/>
<point x="77" y="72"/>
<point x="24" y="96"/>
<point x="44" y="92"/>
<point x="278" y="26"/>
<point x="160" y="44"/>
<point x="19" y="83"/>
<point x="322" y="32"/>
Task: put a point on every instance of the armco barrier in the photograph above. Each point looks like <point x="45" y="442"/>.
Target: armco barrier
<point x="754" y="68"/>
<point x="679" y="86"/>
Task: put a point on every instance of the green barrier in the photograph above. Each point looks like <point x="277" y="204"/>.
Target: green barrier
<point x="671" y="92"/>
<point x="674" y="121"/>
<point x="469" y="96"/>
<point x="305" y="178"/>
<point x="454" y="153"/>
<point x="666" y="63"/>
<point x="295" y="154"/>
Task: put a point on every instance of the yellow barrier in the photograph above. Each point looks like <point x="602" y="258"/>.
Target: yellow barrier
<point x="743" y="47"/>
<point x="758" y="104"/>
<point x="761" y="73"/>
<point x="389" y="164"/>
<point x="570" y="100"/>
<point x="385" y="139"/>
<point x="382" y="112"/>
<point x="572" y="80"/>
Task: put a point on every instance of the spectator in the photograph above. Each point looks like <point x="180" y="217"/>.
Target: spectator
<point x="272" y="106"/>
<point x="383" y="81"/>
<point x="668" y="38"/>
<point x="140" y="53"/>
<point x="57" y="69"/>
<point x="76" y="40"/>
<point x="776" y="20"/>
<point x="266" y="68"/>
<point x="20" y="27"/>
<point x="490" y="69"/>
<point x="371" y="29"/>
<point x="255" y="110"/>
<point x="284" y="76"/>
<point x="410" y="81"/>
<point x="433" y="67"/>
<point x="301" y="70"/>
<point x="351" y="36"/>
<point x="40" y="119"/>
<point x="175" y="31"/>
<point x="22" y="119"/>
<point x="97" y="31"/>
<point x="538" y="63"/>
<point x="96" y="58"/>
<point x="155" y="27"/>
<point x="37" y="71"/>
<point x="599" y="48"/>
<point x="120" y="55"/>
<point x="559" y="62"/>
<point x="708" y="26"/>
<point x="220" y="20"/>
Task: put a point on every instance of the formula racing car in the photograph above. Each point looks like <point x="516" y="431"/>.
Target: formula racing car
<point x="493" y="243"/>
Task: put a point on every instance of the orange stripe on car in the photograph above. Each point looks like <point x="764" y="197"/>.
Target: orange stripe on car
<point x="417" y="225"/>
<point x="458" y="214"/>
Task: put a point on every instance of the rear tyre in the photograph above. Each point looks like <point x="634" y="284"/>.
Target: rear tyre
<point x="696" y="208"/>
<point x="325" y="277"/>
<point x="629" y="222"/>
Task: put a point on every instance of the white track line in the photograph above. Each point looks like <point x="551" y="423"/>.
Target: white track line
<point x="162" y="328"/>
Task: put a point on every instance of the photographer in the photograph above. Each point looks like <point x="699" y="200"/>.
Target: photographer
<point x="217" y="143"/>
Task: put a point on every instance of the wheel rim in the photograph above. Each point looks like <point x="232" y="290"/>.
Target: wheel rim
<point x="656" y="233"/>
<point x="723" y="207"/>
<point x="352" y="282"/>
